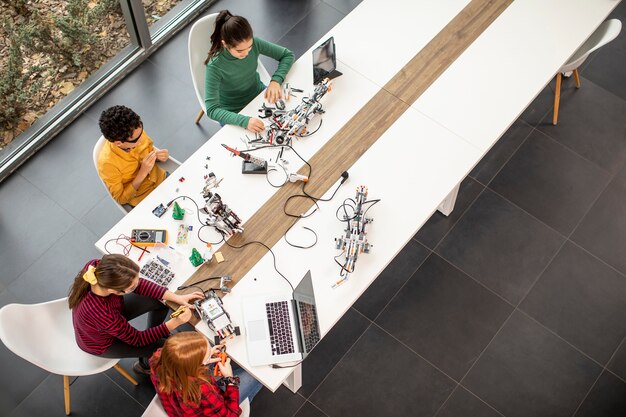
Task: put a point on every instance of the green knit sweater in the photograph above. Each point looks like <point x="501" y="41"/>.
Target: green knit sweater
<point x="231" y="83"/>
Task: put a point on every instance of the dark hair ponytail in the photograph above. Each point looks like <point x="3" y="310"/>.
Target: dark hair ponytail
<point x="230" y="29"/>
<point x="116" y="272"/>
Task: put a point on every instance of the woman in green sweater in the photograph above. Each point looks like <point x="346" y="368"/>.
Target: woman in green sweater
<point x="232" y="80"/>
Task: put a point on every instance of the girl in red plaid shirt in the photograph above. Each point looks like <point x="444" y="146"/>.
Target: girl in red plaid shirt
<point x="181" y="377"/>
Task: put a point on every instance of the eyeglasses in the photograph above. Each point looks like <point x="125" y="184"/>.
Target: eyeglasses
<point x="138" y="137"/>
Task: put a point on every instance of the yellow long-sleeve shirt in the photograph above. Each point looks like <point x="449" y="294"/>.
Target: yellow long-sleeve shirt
<point x="118" y="169"/>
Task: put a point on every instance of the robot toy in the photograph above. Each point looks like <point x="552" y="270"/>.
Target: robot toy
<point x="354" y="242"/>
<point x="286" y="124"/>
<point x="212" y="311"/>
<point x="219" y="214"/>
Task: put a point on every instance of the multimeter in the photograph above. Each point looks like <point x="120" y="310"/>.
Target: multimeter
<point x="148" y="237"/>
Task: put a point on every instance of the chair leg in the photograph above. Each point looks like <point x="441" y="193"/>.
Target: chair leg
<point x="199" y="116"/>
<point x="66" y="392"/>
<point x="557" y="98"/>
<point x="125" y="374"/>
<point x="576" y="78"/>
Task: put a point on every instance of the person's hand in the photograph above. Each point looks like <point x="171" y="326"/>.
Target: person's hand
<point x="179" y="320"/>
<point x="148" y="162"/>
<point x="217" y="349"/>
<point x="162" y="155"/>
<point x="273" y="92"/>
<point x="187" y="299"/>
<point x="255" y="125"/>
<point x="225" y="368"/>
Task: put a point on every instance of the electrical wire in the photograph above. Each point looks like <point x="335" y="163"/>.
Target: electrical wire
<point x="195" y="284"/>
<point x="273" y="257"/>
<point x="299" y="246"/>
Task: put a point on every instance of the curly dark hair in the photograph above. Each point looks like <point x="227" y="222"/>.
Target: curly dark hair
<point x="118" y="123"/>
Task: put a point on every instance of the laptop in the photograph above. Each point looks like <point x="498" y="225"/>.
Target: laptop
<point x="325" y="61"/>
<point x="281" y="328"/>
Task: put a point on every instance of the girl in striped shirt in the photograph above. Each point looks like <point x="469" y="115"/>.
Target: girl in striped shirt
<point x="106" y="294"/>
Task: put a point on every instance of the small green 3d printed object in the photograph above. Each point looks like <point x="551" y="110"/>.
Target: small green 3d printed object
<point x="177" y="212"/>
<point x="195" y="258"/>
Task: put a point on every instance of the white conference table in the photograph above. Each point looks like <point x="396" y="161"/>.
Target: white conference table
<point x="411" y="185"/>
<point x="486" y="89"/>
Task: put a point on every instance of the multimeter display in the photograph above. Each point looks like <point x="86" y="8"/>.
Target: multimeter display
<point x="148" y="237"/>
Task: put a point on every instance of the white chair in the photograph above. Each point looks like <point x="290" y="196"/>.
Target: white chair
<point x="155" y="408"/>
<point x="605" y="33"/>
<point x="170" y="166"/>
<point x="199" y="45"/>
<point x="43" y="335"/>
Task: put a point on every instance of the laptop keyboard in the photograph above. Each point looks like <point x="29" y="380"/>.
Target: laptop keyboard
<point x="280" y="327"/>
<point x="310" y="328"/>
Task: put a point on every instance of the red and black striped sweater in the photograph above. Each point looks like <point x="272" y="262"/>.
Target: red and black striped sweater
<point x="98" y="321"/>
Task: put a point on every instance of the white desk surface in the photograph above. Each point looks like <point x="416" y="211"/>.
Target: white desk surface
<point x="244" y="194"/>
<point x="486" y="89"/>
<point x="379" y="37"/>
<point x="412" y="167"/>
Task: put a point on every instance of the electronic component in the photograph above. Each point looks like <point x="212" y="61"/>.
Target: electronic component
<point x="177" y="212"/>
<point x="157" y="272"/>
<point x="354" y="242"/>
<point x="196" y="259"/>
<point x="159" y="210"/>
<point x="212" y="312"/>
<point x="219" y="214"/>
<point x="182" y="237"/>
<point x="148" y="237"/>
<point x="251" y="168"/>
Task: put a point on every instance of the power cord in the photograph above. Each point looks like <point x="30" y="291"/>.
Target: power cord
<point x="270" y="250"/>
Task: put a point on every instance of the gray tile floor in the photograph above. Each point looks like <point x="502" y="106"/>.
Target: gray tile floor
<point x="515" y="305"/>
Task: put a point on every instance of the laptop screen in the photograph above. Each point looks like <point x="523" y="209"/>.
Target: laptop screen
<point x="306" y="310"/>
<point x="324" y="60"/>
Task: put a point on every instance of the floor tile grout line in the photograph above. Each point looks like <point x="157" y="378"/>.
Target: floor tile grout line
<point x="489" y="405"/>
<point x="559" y="233"/>
<point x="471" y="277"/>
<point x="47" y="195"/>
<point x="309" y="402"/>
<point x="459" y="386"/>
<point x="33" y="390"/>
<point x="339" y="361"/>
<point x="584" y="158"/>
<point x="582" y="401"/>
<point x="532" y="129"/>
<point x="123" y="390"/>
<point x="393" y="297"/>
<point x="336" y="9"/>
<point x="443" y="404"/>
<point x="416" y="353"/>
<point x="608" y="362"/>
<point x="470" y="205"/>
<point x="512" y="312"/>
<point x="561" y="338"/>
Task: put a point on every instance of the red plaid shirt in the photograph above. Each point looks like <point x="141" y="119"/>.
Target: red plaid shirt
<point x="213" y="401"/>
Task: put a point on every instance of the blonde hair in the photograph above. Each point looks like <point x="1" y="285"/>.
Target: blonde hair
<point x="179" y="366"/>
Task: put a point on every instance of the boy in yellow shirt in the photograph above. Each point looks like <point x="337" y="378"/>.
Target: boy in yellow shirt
<point x="126" y="162"/>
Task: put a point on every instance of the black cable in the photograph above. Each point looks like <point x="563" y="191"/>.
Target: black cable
<point x="195" y="284"/>
<point x="270" y="250"/>
<point x="204" y="241"/>
<point x="298" y="246"/>
<point x="193" y="201"/>
<point x="267" y="177"/>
